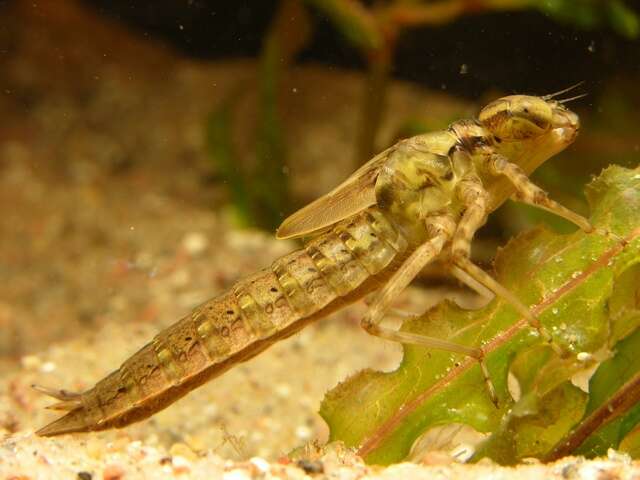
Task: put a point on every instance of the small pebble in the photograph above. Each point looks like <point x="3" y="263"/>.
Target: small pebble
<point x="261" y="464"/>
<point x="283" y="390"/>
<point x="48" y="367"/>
<point x="310" y="466"/>
<point x="616" y="456"/>
<point x="113" y="472"/>
<point x="84" y="476"/>
<point x="180" y="465"/>
<point x="182" y="450"/>
<point x="236" y="475"/>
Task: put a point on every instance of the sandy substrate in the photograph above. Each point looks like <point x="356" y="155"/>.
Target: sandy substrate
<point x="29" y="457"/>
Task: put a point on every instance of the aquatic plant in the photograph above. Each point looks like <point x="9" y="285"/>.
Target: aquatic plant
<point x="584" y="288"/>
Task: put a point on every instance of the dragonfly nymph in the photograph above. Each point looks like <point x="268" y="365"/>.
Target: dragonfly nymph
<point x="418" y="201"/>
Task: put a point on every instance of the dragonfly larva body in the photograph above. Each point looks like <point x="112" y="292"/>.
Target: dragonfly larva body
<point x="334" y="269"/>
<point x="420" y="200"/>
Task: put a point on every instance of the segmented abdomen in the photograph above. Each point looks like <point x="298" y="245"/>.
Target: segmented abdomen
<point x="257" y="311"/>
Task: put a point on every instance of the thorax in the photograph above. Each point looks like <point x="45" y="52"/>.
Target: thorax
<point x="419" y="180"/>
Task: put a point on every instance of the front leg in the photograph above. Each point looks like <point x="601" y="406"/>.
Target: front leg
<point x="529" y="193"/>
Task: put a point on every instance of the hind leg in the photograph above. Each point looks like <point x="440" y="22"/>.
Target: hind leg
<point x="442" y="229"/>
<point x="474" y="197"/>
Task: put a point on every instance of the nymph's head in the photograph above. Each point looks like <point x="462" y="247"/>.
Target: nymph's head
<point x="520" y="118"/>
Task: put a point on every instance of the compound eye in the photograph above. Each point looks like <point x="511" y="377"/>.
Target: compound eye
<point x="520" y="128"/>
<point x="517" y="117"/>
<point x="535" y="111"/>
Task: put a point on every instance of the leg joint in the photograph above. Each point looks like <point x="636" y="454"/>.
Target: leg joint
<point x="369" y="325"/>
<point x="498" y="164"/>
<point x="459" y="256"/>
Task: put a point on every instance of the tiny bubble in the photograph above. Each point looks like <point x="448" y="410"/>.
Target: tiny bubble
<point x="584" y="357"/>
<point x="181" y="27"/>
<point x="294" y="90"/>
<point x="464" y="69"/>
<point x="554" y="311"/>
<point x="576" y="274"/>
<point x="592" y="47"/>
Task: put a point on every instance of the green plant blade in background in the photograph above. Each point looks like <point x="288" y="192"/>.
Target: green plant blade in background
<point x="221" y="150"/>
<point x="288" y="33"/>
<point x="260" y="189"/>
<point x="569" y="281"/>
<point x="592" y="14"/>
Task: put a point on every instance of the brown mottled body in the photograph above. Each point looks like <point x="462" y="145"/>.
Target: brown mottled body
<point x="333" y="270"/>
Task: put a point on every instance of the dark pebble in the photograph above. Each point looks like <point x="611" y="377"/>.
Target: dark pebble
<point x="310" y="466"/>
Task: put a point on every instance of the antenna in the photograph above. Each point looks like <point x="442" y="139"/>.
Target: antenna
<point x="551" y="95"/>
<point x="570" y="99"/>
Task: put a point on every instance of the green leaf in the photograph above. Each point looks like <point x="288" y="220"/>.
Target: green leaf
<point x="570" y="282"/>
<point x="613" y="410"/>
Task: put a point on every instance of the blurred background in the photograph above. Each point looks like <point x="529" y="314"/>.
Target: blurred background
<point x="148" y="149"/>
<point x="472" y="50"/>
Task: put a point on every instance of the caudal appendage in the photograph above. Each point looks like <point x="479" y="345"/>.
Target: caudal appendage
<point x="74" y="421"/>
